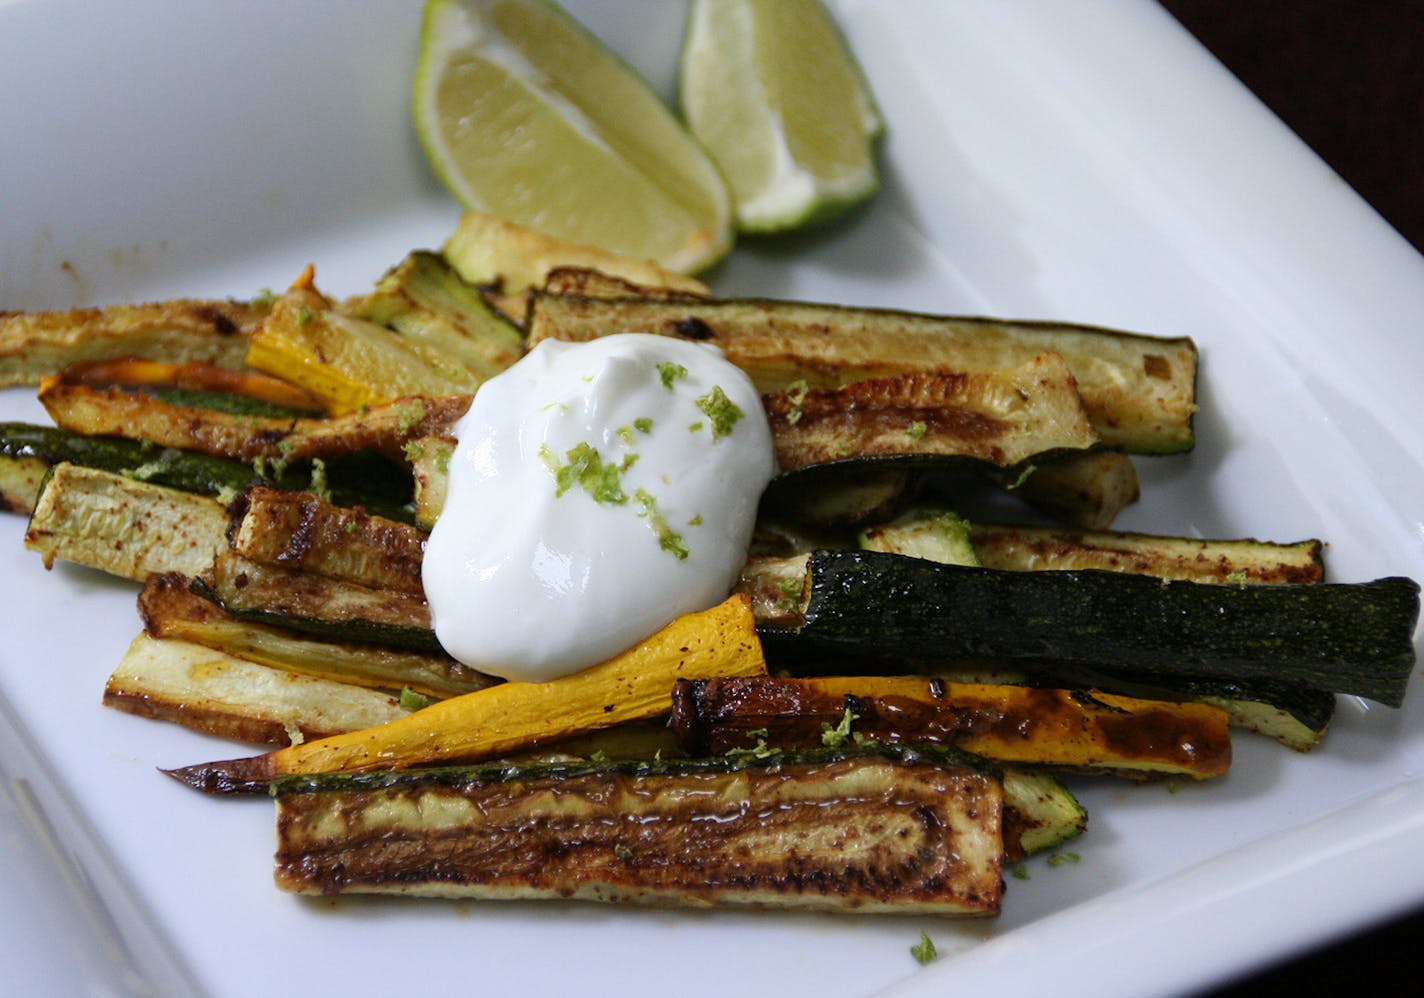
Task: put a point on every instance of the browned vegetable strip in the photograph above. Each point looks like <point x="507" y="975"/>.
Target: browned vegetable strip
<point x="868" y="833"/>
<point x="1138" y="390"/>
<point x="171" y="610"/>
<point x="116" y="411"/>
<point x="303" y="532"/>
<point x="20" y="479"/>
<point x="35" y="344"/>
<point x="347" y="362"/>
<point x="1003" y="418"/>
<point x="386" y="428"/>
<point x="1065" y="729"/>
<point x="318" y="605"/>
<point x="508" y="261"/>
<point x="1031" y="548"/>
<point x="591" y="283"/>
<point x="154" y="375"/>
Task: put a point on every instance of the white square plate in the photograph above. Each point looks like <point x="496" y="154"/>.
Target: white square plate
<point x="1081" y="161"/>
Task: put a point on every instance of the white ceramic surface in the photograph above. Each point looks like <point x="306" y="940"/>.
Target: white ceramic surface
<point x="1078" y="161"/>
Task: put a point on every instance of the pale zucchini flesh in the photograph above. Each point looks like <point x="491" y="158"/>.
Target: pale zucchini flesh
<point x="1243" y="561"/>
<point x="122" y="526"/>
<point x="1040" y="813"/>
<point x="221" y="694"/>
<point x="1138" y="390"/>
<point x="20" y="480"/>
<point x="425" y="299"/>
<point x="863" y="831"/>
<point x="934" y="534"/>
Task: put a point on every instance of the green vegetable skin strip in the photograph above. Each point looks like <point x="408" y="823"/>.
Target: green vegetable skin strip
<point x="1345" y="638"/>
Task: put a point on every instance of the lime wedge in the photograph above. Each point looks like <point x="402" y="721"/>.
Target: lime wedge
<point x="525" y="115"/>
<point x="772" y="91"/>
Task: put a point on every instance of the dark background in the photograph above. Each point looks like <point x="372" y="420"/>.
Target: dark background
<point x="1347" y="76"/>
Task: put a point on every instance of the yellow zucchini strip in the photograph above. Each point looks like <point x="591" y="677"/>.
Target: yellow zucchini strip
<point x="220" y="694"/>
<point x="35" y="344"/>
<point x="1062" y="729"/>
<point x="124" y="527"/>
<point x="513" y="717"/>
<point x="347" y="362"/>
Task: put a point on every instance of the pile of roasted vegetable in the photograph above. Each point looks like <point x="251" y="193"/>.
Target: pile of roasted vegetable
<point x="874" y="720"/>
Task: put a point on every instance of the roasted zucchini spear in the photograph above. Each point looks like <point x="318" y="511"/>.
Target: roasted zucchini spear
<point x="1001" y="418"/>
<point x="315" y="605"/>
<point x="1079" y="490"/>
<point x="1295" y="716"/>
<point x="171" y="610"/>
<point x="1138" y="390"/>
<point x="303" y="532"/>
<point x="424" y="299"/>
<point x="239" y="427"/>
<point x="227" y="695"/>
<point x="347" y="362"/>
<point x="1235" y="561"/>
<point x="1060" y="729"/>
<point x="36" y="344"/>
<point x="359" y="479"/>
<point x="509" y="261"/>
<point x="196" y="384"/>
<point x="856" y="829"/>
<point x="122" y="526"/>
<point x="1344" y="638"/>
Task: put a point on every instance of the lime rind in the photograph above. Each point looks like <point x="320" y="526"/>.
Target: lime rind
<point x="771" y="88"/>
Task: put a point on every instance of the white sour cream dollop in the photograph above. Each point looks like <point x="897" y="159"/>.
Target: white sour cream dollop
<point x="597" y="491"/>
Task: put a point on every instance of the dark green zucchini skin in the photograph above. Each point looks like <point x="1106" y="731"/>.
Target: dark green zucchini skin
<point x="1343" y="638"/>
<point x="233" y="405"/>
<point x="355" y="480"/>
<point x="938" y="755"/>
<point x="365" y="632"/>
